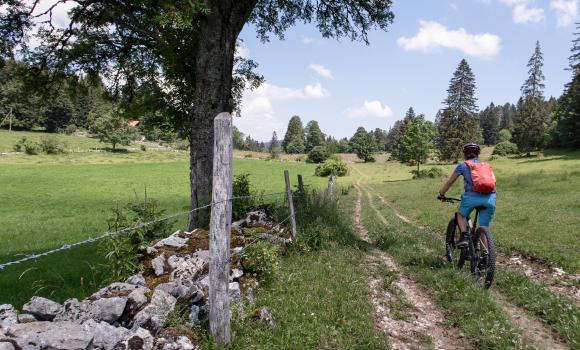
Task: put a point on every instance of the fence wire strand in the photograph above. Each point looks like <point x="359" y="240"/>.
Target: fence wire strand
<point x="90" y="240"/>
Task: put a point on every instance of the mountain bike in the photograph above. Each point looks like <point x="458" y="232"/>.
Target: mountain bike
<point x="480" y="251"/>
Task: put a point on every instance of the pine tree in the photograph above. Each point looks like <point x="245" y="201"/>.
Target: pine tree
<point x="273" y="143"/>
<point x="489" y="124"/>
<point x="567" y="113"/>
<point x="314" y="136"/>
<point x="294" y="139"/>
<point x="417" y="142"/>
<point x="531" y="125"/>
<point x="458" y="123"/>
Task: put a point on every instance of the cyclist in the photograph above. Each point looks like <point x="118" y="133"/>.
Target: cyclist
<point x="471" y="199"/>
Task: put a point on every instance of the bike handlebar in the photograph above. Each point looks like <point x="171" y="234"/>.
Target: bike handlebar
<point x="449" y="199"/>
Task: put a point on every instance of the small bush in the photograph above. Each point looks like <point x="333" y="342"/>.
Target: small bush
<point x="248" y="155"/>
<point x="317" y="155"/>
<point x="300" y="159"/>
<point x="505" y="148"/>
<point x="261" y="258"/>
<point x="181" y="145"/>
<point x="431" y="173"/>
<point x="242" y="187"/>
<point x="345" y="190"/>
<point x="51" y="145"/>
<point x="27" y="146"/>
<point x="143" y="148"/>
<point x="332" y="167"/>
<point x="505" y="135"/>
<point x="70" y="129"/>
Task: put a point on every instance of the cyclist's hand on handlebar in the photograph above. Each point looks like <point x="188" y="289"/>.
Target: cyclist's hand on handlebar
<point x="441" y="197"/>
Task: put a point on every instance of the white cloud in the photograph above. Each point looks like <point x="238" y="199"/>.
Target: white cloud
<point x="433" y="35"/>
<point x="370" y="109"/>
<point x="566" y="10"/>
<point x="454" y="6"/>
<point x="307" y="40"/>
<point x="524" y="12"/>
<point x="321" y="70"/>
<point x="242" y="51"/>
<point x="258" y="116"/>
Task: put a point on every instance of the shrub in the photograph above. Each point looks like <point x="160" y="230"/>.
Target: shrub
<point x="51" y="145"/>
<point x="505" y="148"/>
<point x="332" y="167"/>
<point x="505" y="135"/>
<point x="181" y="145"/>
<point x="300" y="158"/>
<point x="143" y="148"/>
<point x="317" y="154"/>
<point x="242" y="187"/>
<point x="430" y="173"/>
<point x="261" y="258"/>
<point x="27" y="146"/>
<point x="70" y="129"/>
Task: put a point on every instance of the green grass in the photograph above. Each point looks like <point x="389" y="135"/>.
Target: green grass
<point x="537" y="207"/>
<point x="73" y="143"/>
<point x="471" y="308"/>
<point x="53" y="200"/>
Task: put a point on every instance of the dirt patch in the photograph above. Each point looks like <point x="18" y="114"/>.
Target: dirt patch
<point x="403" y="310"/>
<point x="532" y="329"/>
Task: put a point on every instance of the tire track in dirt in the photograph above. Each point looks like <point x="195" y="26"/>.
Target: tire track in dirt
<point x="532" y="328"/>
<point x="403" y="311"/>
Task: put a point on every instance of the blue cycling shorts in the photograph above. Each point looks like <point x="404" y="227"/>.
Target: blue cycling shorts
<point x="486" y="206"/>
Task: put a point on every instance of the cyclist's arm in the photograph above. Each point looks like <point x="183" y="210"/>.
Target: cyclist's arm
<point x="448" y="184"/>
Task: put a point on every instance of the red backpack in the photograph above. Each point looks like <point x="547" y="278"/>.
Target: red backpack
<point x="482" y="177"/>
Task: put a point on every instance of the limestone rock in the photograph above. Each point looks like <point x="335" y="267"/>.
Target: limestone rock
<point x="137" y="299"/>
<point x="180" y="343"/>
<point x="26" y="318"/>
<point x="256" y="217"/>
<point x="139" y="339"/>
<point x="116" y="289"/>
<point x="6" y="346"/>
<point x="110" y="309"/>
<point x="236" y="274"/>
<point x="265" y="315"/>
<point x="234" y="291"/>
<point x="51" y="335"/>
<point x="106" y="309"/>
<point x="180" y="289"/>
<point x="105" y="335"/>
<point x="154" y="315"/>
<point x="172" y="241"/>
<point x="8" y="315"/>
<point x="43" y="309"/>
<point x="158" y="265"/>
<point x="189" y="270"/>
<point x="137" y="280"/>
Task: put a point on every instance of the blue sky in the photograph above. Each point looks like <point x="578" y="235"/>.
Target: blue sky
<point x="344" y="84"/>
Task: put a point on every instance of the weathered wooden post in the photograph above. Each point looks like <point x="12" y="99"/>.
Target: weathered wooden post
<point x="300" y="185"/>
<point x="290" y="204"/>
<point x="220" y="231"/>
<point x="331" y="185"/>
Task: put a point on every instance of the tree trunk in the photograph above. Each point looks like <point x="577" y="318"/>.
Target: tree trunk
<point x="213" y="90"/>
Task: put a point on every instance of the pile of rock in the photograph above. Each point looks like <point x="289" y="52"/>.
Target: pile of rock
<point x="132" y="314"/>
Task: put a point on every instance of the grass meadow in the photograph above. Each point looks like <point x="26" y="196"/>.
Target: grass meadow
<point x="49" y="200"/>
<point x="538" y="205"/>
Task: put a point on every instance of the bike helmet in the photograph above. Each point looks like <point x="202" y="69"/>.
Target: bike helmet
<point x="471" y="150"/>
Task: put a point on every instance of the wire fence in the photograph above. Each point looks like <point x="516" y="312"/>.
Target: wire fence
<point x="90" y="240"/>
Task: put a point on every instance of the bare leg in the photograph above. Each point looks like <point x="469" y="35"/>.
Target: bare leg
<point x="462" y="222"/>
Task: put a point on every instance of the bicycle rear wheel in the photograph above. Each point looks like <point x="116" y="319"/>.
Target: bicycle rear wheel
<point x="485" y="257"/>
<point x="450" y="240"/>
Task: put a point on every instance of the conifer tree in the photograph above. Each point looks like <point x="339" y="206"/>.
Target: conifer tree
<point x="314" y="136"/>
<point x="273" y="143"/>
<point x="294" y="139"/>
<point x="531" y="125"/>
<point x="458" y="123"/>
<point x="567" y="114"/>
<point x="489" y="124"/>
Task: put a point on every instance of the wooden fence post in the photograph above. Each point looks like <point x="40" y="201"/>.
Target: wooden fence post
<point x="300" y="185"/>
<point x="220" y="231"/>
<point x="290" y="204"/>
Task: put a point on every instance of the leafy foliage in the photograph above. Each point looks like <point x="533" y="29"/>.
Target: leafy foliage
<point x="417" y="141"/>
<point x="504" y="135"/>
<point x="314" y="136"/>
<point x="363" y="144"/>
<point x="332" y="167"/>
<point x="27" y="146"/>
<point x="243" y="188"/>
<point x="317" y="154"/>
<point x="113" y="129"/>
<point x="52" y="145"/>
<point x="431" y="173"/>
<point x="262" y="258"/>
<point x="505" y="148"/>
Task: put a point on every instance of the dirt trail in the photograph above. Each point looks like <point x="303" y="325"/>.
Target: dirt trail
<point x="556" y="279"/>
<point x="403" y="311"/>
<point x="536" y="332"/>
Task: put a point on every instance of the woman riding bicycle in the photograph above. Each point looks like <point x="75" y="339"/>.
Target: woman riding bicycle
<point x="474" y="196"/>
